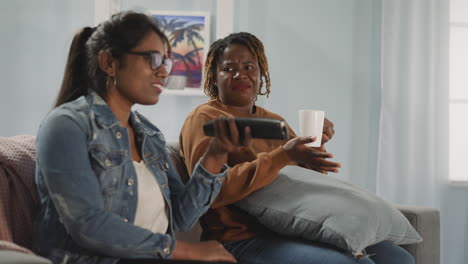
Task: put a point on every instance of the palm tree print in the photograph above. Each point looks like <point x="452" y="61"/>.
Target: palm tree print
<point x="181" y="30"/>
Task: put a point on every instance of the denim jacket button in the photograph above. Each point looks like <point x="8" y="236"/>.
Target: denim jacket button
<point x="108" y="162"/>
<point x="166" y="250"/>
<point x="130" y="182"/>
<point x="125" y="220"/>
<point x="118" y="135"/>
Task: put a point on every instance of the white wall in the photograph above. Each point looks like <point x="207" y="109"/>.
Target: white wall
<point x="35" y="36"/>
<point x="324" y="54"/>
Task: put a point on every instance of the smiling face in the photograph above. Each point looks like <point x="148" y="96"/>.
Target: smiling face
<point x="136" y="81"/>
<point x="238" y="77"/>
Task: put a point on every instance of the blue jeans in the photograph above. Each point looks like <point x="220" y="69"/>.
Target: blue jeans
<point x="168" y="261"/>
<point x="273" y="249"/>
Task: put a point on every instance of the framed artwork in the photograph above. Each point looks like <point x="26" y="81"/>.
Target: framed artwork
<point x="188" y="34"/>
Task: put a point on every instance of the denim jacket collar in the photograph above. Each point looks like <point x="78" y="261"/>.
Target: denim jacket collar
<point x="107" y="119"/>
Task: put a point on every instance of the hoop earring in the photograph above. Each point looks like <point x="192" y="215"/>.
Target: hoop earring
<point x="114" y="83"/>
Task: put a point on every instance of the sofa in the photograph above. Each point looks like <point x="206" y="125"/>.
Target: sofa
<point x="18" y="201"/>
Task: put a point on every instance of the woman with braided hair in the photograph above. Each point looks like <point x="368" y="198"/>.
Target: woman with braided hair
<point x="236" y="72"/>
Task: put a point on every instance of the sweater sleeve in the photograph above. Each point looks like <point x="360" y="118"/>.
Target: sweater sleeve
<point x="241" y="179"/>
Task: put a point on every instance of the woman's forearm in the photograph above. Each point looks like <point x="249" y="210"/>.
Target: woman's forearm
<point x="214" y="163"/>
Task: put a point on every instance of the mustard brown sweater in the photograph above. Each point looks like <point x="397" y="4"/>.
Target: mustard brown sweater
<point x="248" y="172"/>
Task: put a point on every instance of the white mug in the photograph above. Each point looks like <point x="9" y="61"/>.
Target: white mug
<point x="311" y="124"/>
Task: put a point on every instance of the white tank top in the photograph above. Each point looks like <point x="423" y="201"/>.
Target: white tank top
<point x="151" y="210"/>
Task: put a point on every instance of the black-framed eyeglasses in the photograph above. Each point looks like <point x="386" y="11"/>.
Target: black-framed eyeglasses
<point x="154" y="59"/>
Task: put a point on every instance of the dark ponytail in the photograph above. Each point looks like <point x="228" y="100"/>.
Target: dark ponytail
<point x="121" y="33"/>
<point x="74" y="83"/>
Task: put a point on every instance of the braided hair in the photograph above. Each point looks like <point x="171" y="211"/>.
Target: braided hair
<point x="215" y="52"/>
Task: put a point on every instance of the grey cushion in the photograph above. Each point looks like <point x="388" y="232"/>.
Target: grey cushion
<point x="13" y="257"/>
<point x="306" y="204"/>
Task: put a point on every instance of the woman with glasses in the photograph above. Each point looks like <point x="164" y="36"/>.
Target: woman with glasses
<point x="108" y="190"/>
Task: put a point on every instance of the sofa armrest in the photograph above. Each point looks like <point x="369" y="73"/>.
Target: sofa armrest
<point x="14" y="257"/>
<point x="427" y="222"/>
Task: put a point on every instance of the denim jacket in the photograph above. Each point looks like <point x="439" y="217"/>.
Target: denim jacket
<point x="87" y="186"/>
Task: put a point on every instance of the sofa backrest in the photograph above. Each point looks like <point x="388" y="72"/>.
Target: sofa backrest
<point x="18" y="196"/>
<point x="178" y="162"/>
<point x="193" y="235"/>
